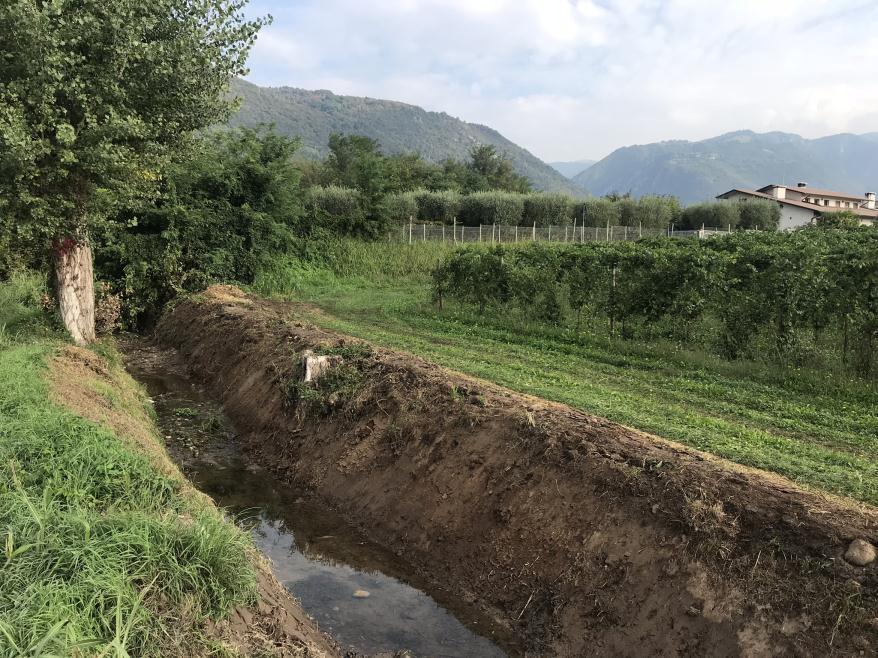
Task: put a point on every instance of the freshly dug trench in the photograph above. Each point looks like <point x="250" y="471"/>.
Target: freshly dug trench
<point x="584" y="536"/>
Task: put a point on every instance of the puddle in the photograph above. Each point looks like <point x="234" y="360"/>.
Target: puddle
<point x="356" y="590"/>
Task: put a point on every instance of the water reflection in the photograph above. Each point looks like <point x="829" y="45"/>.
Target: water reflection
<point x="356" y="590"/>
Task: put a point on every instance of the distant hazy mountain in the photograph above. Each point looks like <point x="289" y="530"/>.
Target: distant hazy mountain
<point x="571" y="169"/>
<point x="398" y="127"/>
<point x="696" y="171"/>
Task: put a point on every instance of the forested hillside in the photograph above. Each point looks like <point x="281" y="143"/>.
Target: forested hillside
<point x="398" y="128"/>
<point x="697" y="171"/>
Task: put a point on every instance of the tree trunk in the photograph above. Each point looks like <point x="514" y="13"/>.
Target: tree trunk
<point x="74" y="278"/>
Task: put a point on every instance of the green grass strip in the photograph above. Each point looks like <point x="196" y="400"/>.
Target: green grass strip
<point x="101" y="553"/>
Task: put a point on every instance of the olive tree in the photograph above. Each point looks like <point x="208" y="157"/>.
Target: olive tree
<point x="95" y="95"/>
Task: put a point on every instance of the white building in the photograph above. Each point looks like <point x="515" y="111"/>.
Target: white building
<point x="801" y="205"/>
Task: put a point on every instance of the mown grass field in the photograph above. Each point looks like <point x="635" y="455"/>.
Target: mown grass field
<point x="104" y="552"/>
<point x="817" y="428"/>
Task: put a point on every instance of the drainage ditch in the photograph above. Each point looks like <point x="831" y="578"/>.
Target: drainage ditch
<point x="357" y="591"/>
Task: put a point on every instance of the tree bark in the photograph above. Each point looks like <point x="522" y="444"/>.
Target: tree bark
<point x="74" y="277"/>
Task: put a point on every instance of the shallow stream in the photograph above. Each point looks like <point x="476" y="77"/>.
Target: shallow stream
<point x="357" y="591"/>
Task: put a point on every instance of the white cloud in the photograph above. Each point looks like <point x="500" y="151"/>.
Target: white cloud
<point x="570" y="79"/>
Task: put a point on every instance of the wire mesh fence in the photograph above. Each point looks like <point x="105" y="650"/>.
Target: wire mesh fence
<point x="504" y="234"/>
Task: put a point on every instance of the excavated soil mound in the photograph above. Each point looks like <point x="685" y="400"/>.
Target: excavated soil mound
<point x="583" y="536"/>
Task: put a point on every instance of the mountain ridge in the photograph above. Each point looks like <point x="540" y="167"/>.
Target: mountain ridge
<point x="398" y="127"/>
<point x="699" y="170"/>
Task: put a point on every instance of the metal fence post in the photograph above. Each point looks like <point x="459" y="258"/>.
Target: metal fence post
<point x="516" y="233"/>
<point x="410" y="229"/>
<point x="443" y="234"/>
<point x="534" y="238"/>
<point x="425" y="231"/>
<point x="480" y="231"/>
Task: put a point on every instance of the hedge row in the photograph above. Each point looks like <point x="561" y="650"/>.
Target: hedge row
<point x="344" y="210"/>
<point x="754" y="213"/>
<point x="545" y="209"/>
<point x="540" y="208"/>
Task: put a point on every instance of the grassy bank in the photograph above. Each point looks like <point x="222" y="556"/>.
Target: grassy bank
<point x="820" y="429"/>
<point x="105" y="552"/>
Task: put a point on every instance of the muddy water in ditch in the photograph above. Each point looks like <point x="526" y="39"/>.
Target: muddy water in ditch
<point x="357" y="591"/>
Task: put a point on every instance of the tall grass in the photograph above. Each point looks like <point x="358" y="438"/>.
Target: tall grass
<point x="100" y="553"/>
<point x="329" y="263"/>
<point x="20" y="312"/>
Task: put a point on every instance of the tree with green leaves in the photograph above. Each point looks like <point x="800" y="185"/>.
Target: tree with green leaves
<point x="356" y="162"/>
<point x="95" y="96"/>
<point x="231" y="202"/>
<point x="844" y="219"/>
<point x="489" y="170"/>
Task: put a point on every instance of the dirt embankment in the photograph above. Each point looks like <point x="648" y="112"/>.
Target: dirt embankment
<point x="585" y="537"/>
<point x="103" y="393"/>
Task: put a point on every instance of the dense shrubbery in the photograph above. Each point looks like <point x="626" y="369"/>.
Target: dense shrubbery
<point x="337" y="209"/>
<point x="442" y="206"/>
<point x="545" y="209"/>
<point x="788" y="298"/>
<point x="402" y="206"/>
<point x="491" y="208"/>
<point x="648" y="211"/>
<point x="751" y="214"/>
<point x="219" y="213"/>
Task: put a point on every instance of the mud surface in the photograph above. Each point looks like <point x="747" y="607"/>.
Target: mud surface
<point x="583" y="537"/>
<point x="356" y="591"/>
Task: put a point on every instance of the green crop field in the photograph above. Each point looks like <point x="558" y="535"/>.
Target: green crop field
<point x="819" y="428"/>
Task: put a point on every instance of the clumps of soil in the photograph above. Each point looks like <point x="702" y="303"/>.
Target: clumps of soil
<point x="582" y="536"/>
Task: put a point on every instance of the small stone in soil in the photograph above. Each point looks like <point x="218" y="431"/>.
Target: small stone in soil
<point x="361" y="594"/>
<point x="860" y="553"/>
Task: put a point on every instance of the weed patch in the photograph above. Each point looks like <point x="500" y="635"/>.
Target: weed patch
<point x="104" y="552"/>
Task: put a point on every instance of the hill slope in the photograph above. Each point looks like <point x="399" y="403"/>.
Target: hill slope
<point x="696" y="171"/>
<point x="398" y="127"/>
<point x="571" y="169"/>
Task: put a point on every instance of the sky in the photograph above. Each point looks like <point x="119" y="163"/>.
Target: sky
<point x="576" y="79"/>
